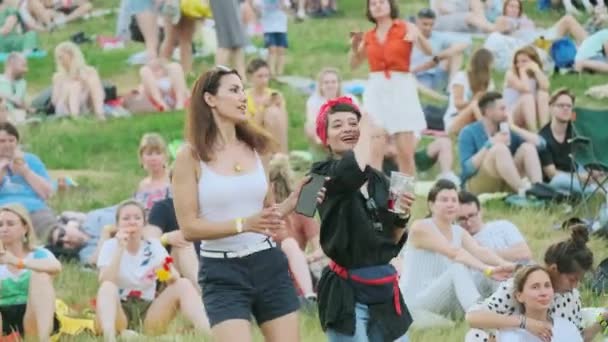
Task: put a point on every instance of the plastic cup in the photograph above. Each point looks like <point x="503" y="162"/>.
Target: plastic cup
<point x="400" y="183"/>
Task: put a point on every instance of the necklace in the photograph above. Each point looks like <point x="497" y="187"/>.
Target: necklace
<point x="237" y="167"/>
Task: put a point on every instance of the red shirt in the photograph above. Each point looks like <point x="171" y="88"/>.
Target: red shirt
<point x="392" y="55"/>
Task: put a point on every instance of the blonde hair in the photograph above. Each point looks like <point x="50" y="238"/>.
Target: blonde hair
<point x="31" y="241"/>
<point x="154" y="142"/>
<point x="127" y="203"/>
<point x="323" y="73"/>
<point x="78" y="64"/>
<point x="281" y="176"/>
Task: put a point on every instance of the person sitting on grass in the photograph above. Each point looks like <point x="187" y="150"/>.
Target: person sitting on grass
<point x="435" y="72"/>
<point x="153" y="159"/>
<point x="555" y="157"/>
<point x="534" y="292"/>
<point x="465" y="90"/>
<point x="501" y="236"/>
<point x="526" y="90"/>
<point x="129" y="267"/>
<point x="461" y="16"/>
<point x="566" y="262"/>
<point x="266" y="106"/>
<point x="45" y="15"/>
<point x="592" y="53"/>
<point x="25" y="180"/>
<point x="300" y="229"/>
<point x="13" y="87"/>
<point x="163" y="88"/>
<point x="77" y="88"/>
<point x="27" y="295"/>
<point x="439" y="257"/>
<point x="496" y="160"/>
<point x="12" y="38"/>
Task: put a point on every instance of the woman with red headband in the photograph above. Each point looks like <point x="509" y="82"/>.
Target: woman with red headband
<point x="359" y="299"/>
<point x="391" y="94"/>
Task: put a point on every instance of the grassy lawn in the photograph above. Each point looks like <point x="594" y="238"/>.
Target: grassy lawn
<point x="110" y="148"/>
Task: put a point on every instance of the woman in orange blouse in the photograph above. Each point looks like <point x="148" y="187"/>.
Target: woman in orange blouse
<point x="391" y="96"/>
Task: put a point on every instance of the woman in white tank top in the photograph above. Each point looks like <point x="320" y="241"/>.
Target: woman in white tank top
<point x="438" y="258"/>
<point x="221" y="197"/>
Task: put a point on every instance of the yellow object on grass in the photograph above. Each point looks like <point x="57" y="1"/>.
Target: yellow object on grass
<point x="70" y="325"/>
<point x="197" y="9"/>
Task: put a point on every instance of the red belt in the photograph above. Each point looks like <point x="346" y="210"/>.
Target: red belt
<point x="343" y="273"/>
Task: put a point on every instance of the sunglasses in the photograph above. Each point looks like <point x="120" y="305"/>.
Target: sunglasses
<point x="467" y="217"/>
<point x="214" y="74"/>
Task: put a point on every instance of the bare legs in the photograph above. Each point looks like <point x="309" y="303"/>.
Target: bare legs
<point x="499" y="163"/>
<point x="40" y="311"/>
<point x="179" y="295"/>
<point x="147" y="22"/>
<point x="532" y="110"/>
<point x="181" y="35"/>
<point x="232" y="57"/>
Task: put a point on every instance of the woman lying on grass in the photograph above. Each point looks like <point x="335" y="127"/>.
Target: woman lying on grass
<point x="129" y="268"/>
<point x="27" y="296"/>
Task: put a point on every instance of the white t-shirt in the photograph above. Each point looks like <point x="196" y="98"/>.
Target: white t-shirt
<point x="563" y="331"/>
<point x="137" y="272"/>
<point x="459" y="79"/>
<point x="497" y="235"/>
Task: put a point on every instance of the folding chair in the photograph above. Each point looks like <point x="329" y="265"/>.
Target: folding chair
<point x="590" y="150"/>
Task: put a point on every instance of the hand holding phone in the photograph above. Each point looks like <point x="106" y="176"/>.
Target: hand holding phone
<point x="307" y="201"/>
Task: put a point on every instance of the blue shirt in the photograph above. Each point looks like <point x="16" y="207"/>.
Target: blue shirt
<point x="15" y="189"/>
<point x="471" y="140"/>
<point x="93" y="225"/>
<point x="274" y="18"/>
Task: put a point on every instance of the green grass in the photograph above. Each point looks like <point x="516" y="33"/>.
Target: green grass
<point x="111" y="147"/>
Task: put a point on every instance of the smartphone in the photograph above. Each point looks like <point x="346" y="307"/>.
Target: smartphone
<point x="307" y="202"/>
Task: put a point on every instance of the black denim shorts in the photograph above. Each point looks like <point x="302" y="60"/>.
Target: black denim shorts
<point x="257" y="285"/>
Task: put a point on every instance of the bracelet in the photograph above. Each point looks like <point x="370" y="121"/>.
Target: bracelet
<point x="164" y="240"/>
<point x="522" y="321"/>
<point x="239" y="225"/>
<point x="20" y="264"/>
<point x="603" y="323"/>
<point x="488" y="272"/>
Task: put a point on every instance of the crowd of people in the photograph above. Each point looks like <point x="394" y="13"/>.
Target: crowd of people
<point x="183" y="244"/>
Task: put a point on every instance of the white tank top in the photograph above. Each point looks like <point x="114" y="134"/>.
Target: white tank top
<point x="224" y="198"/>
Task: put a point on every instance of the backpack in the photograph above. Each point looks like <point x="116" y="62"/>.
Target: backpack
<point x="563" y="52"/>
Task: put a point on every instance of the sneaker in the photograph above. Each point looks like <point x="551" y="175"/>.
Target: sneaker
<point x="300" y="16"/>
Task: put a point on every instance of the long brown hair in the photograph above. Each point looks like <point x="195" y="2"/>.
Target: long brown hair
<point x="529" y="51"/>
<point x="479" y="73"/>
<point x="521" y="7"/>
<point x="201" y="130"/>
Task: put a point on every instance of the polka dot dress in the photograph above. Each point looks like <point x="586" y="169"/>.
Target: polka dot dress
<point x="565" y="305"/>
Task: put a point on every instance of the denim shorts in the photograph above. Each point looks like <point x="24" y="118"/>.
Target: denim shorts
<point x="275" y="39"/>
<point x="256" y="285"/>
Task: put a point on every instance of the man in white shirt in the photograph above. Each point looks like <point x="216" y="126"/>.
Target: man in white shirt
<point x="434" y="72"/>
<point x="501" y="236"/>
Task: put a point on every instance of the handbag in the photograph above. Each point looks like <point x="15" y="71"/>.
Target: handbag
<point x="195" y="9"/>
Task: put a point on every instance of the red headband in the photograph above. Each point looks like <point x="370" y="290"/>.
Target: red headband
<point x="324" y="111"/>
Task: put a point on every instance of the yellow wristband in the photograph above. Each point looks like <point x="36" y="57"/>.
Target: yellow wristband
<point x="164" y="240"/>
<point x="238" y="225"/>
<point x="488" y="272"/>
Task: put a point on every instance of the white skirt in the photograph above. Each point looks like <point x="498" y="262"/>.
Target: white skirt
<point x="393" y="102"/>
